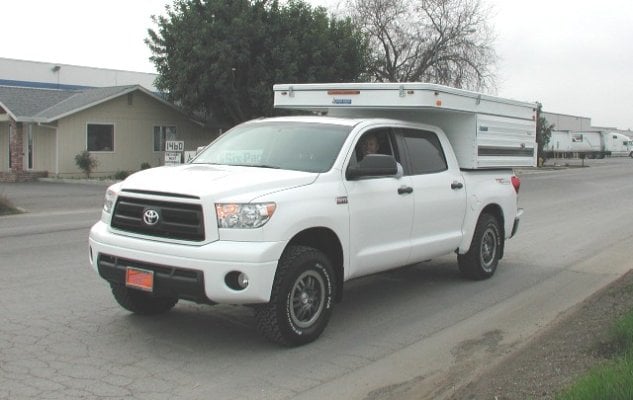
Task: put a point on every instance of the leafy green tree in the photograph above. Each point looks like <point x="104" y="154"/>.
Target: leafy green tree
<point x="543" y="131"/>
<point x="221" y="58"/>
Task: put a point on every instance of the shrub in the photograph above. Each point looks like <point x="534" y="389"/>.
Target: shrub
<point x="120" y="175"/>
<point x="145" y="165"/>
<point x="86" y="162"/>
<point x="6" y="206"/>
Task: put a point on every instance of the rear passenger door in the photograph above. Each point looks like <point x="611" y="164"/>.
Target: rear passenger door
<point x="439" y="194"/>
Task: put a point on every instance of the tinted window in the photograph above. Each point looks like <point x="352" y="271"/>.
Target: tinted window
<point x="425" y="154"/>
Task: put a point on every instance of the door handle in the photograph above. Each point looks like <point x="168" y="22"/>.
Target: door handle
<point x="457" y="185"/>
<point x="405" y="190"/>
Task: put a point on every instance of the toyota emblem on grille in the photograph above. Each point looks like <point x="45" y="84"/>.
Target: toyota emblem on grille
<point x="150" y="217"/>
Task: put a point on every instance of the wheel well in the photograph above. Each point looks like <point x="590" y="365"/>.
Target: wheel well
<point x="496" y="211"/>
<point x="326" y="241"/>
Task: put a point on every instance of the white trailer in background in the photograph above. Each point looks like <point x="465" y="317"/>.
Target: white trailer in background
<point x="588" y="144"/>
<point x="559" y="144"/>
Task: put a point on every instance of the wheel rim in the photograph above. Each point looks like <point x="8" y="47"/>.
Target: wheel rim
<point x="488" y="249"/>
<point x="307" y="299"/>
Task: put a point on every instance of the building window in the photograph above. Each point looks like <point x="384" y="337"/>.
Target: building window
<point x="100" y="137"/>
<point x="162" y="134"/>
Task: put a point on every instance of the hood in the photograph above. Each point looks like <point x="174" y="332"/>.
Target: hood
<point x="217" y="181"/>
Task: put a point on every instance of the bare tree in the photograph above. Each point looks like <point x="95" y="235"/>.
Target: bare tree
<point x="440" y="41"/>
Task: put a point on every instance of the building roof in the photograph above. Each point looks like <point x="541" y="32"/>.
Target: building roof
<point x="21" y="103"/>
<point x="81" y="100"/>
<point x="47" y="105"/>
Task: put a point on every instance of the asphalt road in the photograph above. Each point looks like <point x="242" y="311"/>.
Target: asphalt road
<point x="416" y="332"/>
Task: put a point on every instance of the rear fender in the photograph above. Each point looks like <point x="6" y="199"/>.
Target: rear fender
<point x="471" y="222"/>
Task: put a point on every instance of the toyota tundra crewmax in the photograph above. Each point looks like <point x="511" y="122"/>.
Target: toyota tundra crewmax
<point x="278" y="213"/>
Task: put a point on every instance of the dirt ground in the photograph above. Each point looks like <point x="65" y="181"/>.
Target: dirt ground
<point x="550" y="362"/>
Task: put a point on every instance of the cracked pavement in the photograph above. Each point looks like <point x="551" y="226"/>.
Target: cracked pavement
<point x="410" y="333"/>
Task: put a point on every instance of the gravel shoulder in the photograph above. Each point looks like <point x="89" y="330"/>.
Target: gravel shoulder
<point x="577" y="341"/>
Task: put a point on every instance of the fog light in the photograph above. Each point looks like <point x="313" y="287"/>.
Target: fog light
<point x="236" y="280"/>
<point x="242" y="280"/>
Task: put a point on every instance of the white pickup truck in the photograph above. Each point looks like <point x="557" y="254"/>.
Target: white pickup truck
<point x="278" y="213"/>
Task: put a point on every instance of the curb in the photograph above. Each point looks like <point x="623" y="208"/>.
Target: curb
<point x="105" y="182"/>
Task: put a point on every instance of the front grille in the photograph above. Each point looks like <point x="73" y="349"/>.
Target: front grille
<point x="180" y="221"/>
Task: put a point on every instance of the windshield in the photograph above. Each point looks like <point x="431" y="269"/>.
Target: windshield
<point x="299" y="146"/>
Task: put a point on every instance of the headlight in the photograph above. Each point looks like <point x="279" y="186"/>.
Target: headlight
<point x="244" y="216"/>
<point x="108" y="203"/>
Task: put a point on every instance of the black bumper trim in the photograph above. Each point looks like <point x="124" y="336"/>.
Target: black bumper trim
<point x="186" y="284"/>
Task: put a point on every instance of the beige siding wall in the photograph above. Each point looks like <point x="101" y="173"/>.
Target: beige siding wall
<point x="43" y="149"/>
<point x="4" y="146"/>
<point x="134" y="120"/>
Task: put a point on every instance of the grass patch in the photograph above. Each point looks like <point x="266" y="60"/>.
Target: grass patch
<point x="612" y="380"/>
<point x="7" y="207"/>
<point x="622" y="334"/>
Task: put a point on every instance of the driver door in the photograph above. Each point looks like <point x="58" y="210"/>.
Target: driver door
<point x="379" y="214"/>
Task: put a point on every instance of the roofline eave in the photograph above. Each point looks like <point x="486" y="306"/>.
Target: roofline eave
<point x="124" y="92"/>
<point x="8" y="111"/>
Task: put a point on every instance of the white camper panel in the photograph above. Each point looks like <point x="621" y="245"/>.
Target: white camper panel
<point x="505" y="141"/>
<point x="485" y="131"/>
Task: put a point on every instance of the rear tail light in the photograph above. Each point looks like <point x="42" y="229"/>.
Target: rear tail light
<point x="516" y="183"/>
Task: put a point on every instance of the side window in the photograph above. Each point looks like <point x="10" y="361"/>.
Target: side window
<point x="424" y="151"/>
<point x="375" y="141"/>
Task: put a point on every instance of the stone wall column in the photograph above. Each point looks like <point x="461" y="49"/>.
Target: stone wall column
<point x="16" y="146"/>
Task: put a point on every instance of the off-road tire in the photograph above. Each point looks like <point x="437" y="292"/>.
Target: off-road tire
<point x="301" y="300"/>
<point x="480" y="262"/>
<point x="140" y="302"/>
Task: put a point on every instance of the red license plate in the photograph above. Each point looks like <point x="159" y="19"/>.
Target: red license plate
<point x="139" y="279"/>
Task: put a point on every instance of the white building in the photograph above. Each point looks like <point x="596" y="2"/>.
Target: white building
<point x="45" y="75"/>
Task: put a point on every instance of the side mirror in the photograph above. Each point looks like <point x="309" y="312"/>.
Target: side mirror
<point x="373" y="165"/>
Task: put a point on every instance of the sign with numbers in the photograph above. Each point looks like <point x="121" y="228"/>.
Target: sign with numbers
<point x="174" y="145"/>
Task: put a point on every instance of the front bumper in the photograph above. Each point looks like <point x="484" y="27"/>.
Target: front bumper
<point x="196" y="273"/>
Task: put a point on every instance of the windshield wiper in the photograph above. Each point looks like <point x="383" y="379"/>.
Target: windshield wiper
<point x="256" y="166"/>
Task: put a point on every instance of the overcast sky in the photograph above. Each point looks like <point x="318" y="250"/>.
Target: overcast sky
<point x="575" y="57"/>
